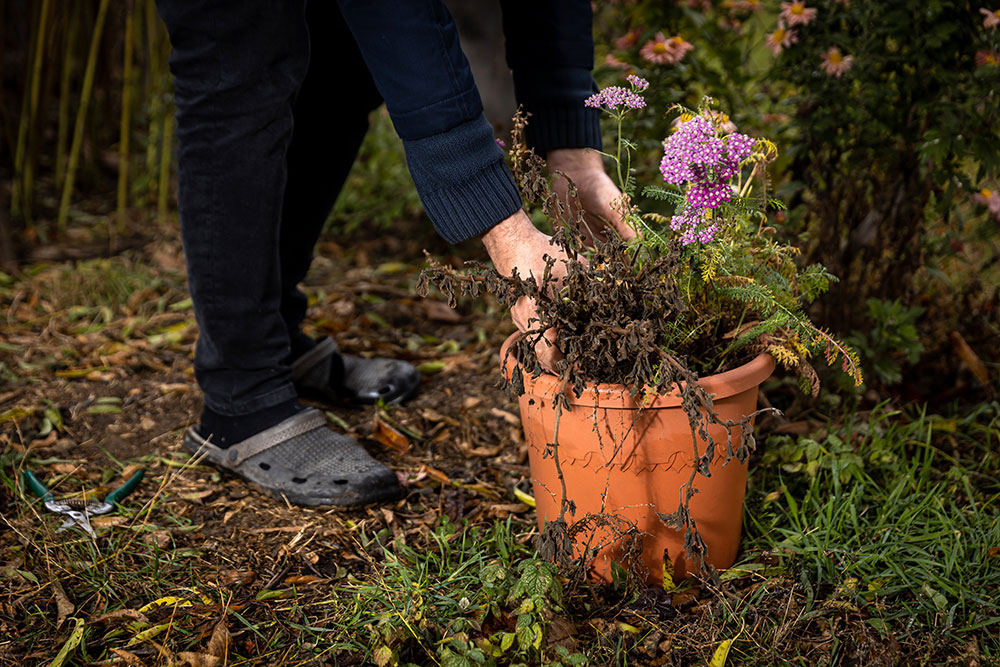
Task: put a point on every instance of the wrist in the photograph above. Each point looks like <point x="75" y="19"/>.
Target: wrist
<point x="503" y="240"/>
<point x="573" y="159"/>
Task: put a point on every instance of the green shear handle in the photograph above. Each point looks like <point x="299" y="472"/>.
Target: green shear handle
<point x="112" y="498"/>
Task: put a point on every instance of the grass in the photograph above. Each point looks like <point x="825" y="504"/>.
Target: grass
<point x="876" y="541"/>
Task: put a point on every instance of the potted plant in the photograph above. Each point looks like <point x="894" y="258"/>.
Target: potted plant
<point x="639" y="441"/>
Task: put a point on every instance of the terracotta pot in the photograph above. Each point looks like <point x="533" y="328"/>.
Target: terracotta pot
<point x="621" y="460"/>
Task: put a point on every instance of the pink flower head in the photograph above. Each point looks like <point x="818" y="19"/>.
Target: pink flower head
<point x="663" y="51"/>
<point x="629" y="39"/>
<point x="991" y="18"/>
<point x="989" y="199"/>
<point x="611" y="61"/>
<point x="835" y="63"/>
<point x="984" y="58"/>
<point x="699" y="5"/>
<point x="741" y="5"/>
<point x="613" y="97"/>
<point x="796" y="13"/>
<point x="781" y="38"/>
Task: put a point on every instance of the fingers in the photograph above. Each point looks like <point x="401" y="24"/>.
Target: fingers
<point x="523" y="312"/>
<point x="600" y="199"/>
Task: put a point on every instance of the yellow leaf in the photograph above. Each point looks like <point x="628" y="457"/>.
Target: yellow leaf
<point x="162" y="602"/>
<point x="668" y="576"/>
<point x="721" y="653"/>
<point x="148" y="633"/>
<point x="524" y="497"/>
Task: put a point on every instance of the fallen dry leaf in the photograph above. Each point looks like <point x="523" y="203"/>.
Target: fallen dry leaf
<point x="192" y="659"/>
<point x="438" y="311"/>
<point x="435" y="474"/>
<point x="128" y="658"/>
<point x="218" y="645"/>
<point x="508" y="417"/>
<point x="63" y="606"/>
<point x="972" y="360"/>
<point x="305" y="580"/>
<point x="390" y="436"/>
<point x="121" y="615"/>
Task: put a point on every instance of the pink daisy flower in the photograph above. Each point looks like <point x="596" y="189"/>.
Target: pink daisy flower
<point x="629" y="39"/>
<point x="989" y="199"/>
<point x="991" y="18"/>
<point x="663" y="51"/>
<point x="611" y="61"/>
<point x="984" y="58"/>
<point x="836" y="63"/>
<point x="780" y="38"/>
<point x="796" y="13"/>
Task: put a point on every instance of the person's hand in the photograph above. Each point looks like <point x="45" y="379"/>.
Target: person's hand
<point x="598" y="193"/>
<point x="516" y="243"/>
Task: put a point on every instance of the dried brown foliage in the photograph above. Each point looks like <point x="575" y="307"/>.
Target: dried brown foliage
<point x="610" y="312"/>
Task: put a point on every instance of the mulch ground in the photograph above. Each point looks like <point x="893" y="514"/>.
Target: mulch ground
<point x="96" y="382"/>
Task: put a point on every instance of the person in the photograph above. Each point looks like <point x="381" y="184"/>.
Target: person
<point x="272" y="99"/>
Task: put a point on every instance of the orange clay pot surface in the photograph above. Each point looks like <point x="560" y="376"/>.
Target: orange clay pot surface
<point x="617" y="459"/>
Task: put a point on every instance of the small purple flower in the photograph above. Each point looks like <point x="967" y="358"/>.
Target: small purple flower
<point x="637" y="82"/>
<point x="500" y="143"/>
<point x="739" y="146"/>
<point x="693" y="225"/>
<point x="613" y="97"/>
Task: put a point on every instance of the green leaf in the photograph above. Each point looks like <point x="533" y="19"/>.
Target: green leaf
<point x="75" y="637"/>
<point x="507" y="640"/>
<point x="451" y="659"/>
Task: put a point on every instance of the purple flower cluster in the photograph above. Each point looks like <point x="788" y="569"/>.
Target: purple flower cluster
<point x="695" y="154"/>
<point x="613" y="97"/>
<point x="637" y="82"/>
<point x="691" y="224"/>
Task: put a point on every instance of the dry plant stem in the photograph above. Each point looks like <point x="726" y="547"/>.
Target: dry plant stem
<point x="62" y="135"/>
<point x="81" y="116"/>
<point x="28" y="176"/>
<point x="154" y="93"/>
<point x="165" y="155"/>
<point x="126" y="121"/>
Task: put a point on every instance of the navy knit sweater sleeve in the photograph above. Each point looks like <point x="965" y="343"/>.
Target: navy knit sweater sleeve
<point x="550" y="50"/>
<point x="412" y="51"/>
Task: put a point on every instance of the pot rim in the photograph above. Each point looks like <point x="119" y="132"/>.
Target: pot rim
<point x="616" y="396"/>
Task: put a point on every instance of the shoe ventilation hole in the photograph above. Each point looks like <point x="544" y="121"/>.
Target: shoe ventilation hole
<point x="265" y="466"/>
<point x="385" y="390"/>
<point x="299" y="480"/>
<point x="340" y="481"/>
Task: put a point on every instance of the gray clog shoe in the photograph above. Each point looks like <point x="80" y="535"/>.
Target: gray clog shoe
<point x="302" y="460"/>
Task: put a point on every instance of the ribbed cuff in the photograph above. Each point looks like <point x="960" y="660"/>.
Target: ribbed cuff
<point x="462" y="180"/>
<point x="554" y="97"/>
<point x="563" y="126"/>
<point x="474" y="206"/>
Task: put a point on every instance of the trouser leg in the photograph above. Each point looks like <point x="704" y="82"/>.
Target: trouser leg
<point x="331" y="119"/>
<point x="237" y="67"/>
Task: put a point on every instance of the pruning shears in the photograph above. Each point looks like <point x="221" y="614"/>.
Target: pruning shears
<point x="78" y="512"/>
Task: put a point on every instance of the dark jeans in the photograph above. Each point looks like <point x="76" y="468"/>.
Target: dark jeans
<point x="273" y="98"/>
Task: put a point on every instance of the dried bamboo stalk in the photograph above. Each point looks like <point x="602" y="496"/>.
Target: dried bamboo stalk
<point x="166" y="152"/>
<point x="154" y="94"/>
<point x="21" y="195"/>
<point x="81" y="116"/>
<point x="28" y="177"/>
<point x="126" y="121"/>
<point x="66" y="76"/>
